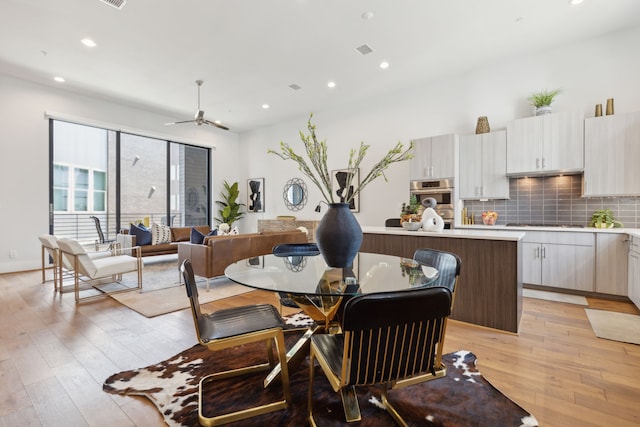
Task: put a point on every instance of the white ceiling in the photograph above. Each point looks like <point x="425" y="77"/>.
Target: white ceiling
<point x="248" y="52"/>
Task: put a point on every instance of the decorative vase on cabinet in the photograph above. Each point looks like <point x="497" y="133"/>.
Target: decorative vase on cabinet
<point x="339" y="236"/>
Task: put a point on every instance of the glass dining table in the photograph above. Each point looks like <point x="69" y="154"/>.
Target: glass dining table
<point x="319" y="289"/>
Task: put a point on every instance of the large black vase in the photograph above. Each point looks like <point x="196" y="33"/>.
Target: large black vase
<point x="339" y="236"/>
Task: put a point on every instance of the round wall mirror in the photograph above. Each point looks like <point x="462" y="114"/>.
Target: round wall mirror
<point x="295" y="194"/>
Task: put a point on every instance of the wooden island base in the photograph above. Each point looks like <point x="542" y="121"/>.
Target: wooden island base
<point x="490" y="286"/>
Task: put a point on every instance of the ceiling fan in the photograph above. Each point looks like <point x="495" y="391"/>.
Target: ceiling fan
<point x="199" y="116"/>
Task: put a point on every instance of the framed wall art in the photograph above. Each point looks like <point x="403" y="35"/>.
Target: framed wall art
<point x="255" y="195"/>
<point x="343" y="178"/>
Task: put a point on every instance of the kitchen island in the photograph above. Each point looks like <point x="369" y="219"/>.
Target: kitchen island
<point x="489" y="290"/>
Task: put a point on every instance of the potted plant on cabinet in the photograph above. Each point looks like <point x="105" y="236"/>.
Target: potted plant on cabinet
<point x="603" y="218"/>
<point x="542" y="100"/>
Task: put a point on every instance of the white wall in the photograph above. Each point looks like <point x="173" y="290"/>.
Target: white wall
<point x="24" y="156"/>
<point x="588" y="73"/>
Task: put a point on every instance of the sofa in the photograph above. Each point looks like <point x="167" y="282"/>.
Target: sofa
<point x="164" y="246"/>
<point x="217" y="252"/>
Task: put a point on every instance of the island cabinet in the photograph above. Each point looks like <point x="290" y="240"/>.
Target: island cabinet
<point x="434" y="157"/>
<point x="611" y="263"/>
<point x="612" y="150"/>
<point x="559" y="259"/>
<point x="489" y="290"/>
<point x="542" y="145"/>
<point x="483" y="166"/>
<point x="634" y="270"/>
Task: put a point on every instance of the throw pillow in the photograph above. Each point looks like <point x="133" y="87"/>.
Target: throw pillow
<point x="198" y="238"/>
<point x="142" y="233"/>
<point x="160" y="234"/>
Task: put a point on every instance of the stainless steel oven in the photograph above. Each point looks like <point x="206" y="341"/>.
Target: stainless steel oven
<point x="441" y="190"/>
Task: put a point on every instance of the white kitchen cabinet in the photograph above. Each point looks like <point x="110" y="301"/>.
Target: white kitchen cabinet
<point x="552" y="143"/>
<point x="611" y="263"/>
<point x="612" y="150"/>
<point x="483" y="166"/>
<point x="559" y="259"/>
<point x="634" y="270"/>
<point x="435" y="157"/>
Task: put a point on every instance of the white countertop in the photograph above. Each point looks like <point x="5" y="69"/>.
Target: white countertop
<point x="486" y="233"/>
<point x="504" y="228"/>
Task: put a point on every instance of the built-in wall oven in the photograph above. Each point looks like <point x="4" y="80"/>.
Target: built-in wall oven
<point x="441" y="190"/>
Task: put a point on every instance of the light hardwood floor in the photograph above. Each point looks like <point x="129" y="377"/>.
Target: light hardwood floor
<point x="54" y="357"/>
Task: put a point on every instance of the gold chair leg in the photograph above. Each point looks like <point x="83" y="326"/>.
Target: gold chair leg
<point x="257" y="410"/>
<point x="392" y="411"/>
<point x="350" y="404"/>
<point x="312" y="421"/>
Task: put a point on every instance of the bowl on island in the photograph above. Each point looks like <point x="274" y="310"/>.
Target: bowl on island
<point x="411" y="226"/>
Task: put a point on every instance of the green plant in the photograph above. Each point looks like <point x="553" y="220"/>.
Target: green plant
<point x="412" y="207"/>
<point x="543" y="97"/>
<point x="317" y="155"/>
<point x="603" y="218"/>
<point x="230" y="211"/>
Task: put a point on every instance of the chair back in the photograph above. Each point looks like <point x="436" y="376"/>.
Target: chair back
<point x="394" y="335"/>
<point x="290" y="249"/>
<point x="392" y="222"/>
<point x="448" y="265"/>
<point x="72" y="251"/>
<point x="192" y="292"/>
<point x="50" y="243"/>
<point x="96" y="220"/>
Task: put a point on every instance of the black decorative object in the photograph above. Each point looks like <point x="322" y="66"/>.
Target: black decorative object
<point x="340" y="179"/>
<point x="255" y="192"/>
<point x="339" y="236"/>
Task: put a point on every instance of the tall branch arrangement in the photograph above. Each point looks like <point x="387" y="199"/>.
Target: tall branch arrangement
<point x="318" y="172"/>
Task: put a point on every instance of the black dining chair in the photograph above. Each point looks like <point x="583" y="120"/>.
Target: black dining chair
<point x="392" y="222"/>
<point x="101" y="237"/>
<point x="233" y="327"/>
<point x="393" y="338"/>
<point x="295" y="251"/>
<point x="448" y="265"/>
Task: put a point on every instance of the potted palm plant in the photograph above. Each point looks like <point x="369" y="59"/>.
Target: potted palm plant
<point x="229" y="207"/>
<point x="542" y="100"/>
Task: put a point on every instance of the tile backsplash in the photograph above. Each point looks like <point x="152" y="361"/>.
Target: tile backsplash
<point x="554" y="200"/>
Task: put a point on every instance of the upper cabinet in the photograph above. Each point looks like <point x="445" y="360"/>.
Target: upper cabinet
<point x="434" y="157"/>
<point x="611" y="153"/>
<point x="544" y="145"/>
<point x="483" y="166"/>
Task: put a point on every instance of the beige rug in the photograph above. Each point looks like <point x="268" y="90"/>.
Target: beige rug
<point x="615" y="326"/>
<point x="555" y="296"/>
<point x="162" y="291"/>
<point x="167" y="300"/>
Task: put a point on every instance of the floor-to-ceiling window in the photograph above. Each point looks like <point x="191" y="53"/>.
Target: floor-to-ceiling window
<point x="121" y="178"/>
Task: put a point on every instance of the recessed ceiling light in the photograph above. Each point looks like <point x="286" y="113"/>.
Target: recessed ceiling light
<point x="265" y="106"/>
<point x="575" y="2"/>
<point x="331" y="84"/>
<point x="88" y="42"/>
<point x="367" y="15"/>
<point x="384" y="65"/>
<point x="59" y="79"/>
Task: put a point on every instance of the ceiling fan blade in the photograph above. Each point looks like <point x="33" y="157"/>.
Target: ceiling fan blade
<point x="218" y="125"/>
<point x="177" y="123"/>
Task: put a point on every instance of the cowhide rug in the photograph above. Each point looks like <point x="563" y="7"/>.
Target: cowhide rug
<point x="462" y="398"/>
